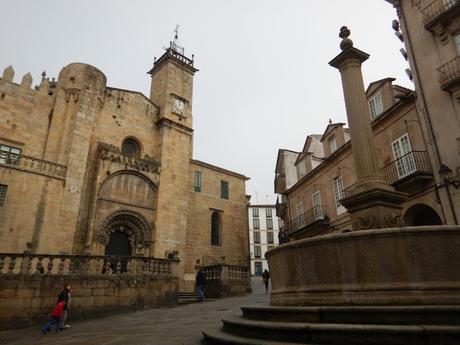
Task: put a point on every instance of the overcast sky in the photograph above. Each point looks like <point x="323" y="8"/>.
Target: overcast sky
<point x="264" y="81"/>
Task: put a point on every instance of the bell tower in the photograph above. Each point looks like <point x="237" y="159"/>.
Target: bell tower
<point x="172" y="84"/>
<point x="172" y="90"/>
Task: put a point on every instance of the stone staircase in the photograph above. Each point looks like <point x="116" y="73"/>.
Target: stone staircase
<point x="188" y="297"/>
<point x="354" y="325"/>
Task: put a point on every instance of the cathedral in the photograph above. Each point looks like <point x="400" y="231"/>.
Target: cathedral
<point x="86" y="168"/>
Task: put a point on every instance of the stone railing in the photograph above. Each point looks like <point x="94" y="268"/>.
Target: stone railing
<point x="212" y="272"/>
<point x="85" y="265"/>
<point x="449" y="73"/>
<point x="226" y="272"/>
<point x="113" y="154"/>
<point x="238" y="272"/>
<point x="33" y="165"/>
<point x="436" y="9"/>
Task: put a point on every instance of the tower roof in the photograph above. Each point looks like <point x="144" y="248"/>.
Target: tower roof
<point x="173" y="54"/>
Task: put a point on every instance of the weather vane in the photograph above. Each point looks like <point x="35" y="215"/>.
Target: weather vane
<point x="175" y="44"/>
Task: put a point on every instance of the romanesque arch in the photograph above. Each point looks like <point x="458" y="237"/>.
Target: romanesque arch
<point x="133" y="224"/>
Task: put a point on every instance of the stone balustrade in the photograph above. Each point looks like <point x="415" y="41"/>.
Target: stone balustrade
<point x="226" y="280"/>
<point x="113" y="154"/>
<point x="37" y="264"/>
<point x="32" y="164"/>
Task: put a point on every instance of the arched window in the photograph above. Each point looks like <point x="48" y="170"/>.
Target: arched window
<point x="215" y="229"/>
<point x="131" y="148"/>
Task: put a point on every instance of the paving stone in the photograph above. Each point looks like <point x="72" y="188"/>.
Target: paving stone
<point x="181" y="325"/>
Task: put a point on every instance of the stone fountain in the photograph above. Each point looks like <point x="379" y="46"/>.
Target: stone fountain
<point x="382" y="283"/>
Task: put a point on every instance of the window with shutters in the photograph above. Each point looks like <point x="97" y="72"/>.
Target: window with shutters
<point x="270" y="237"/>
<point x="197" y="182"/>
<point x="317" y="210"/>
<point x="300" y="214"/>
<point x="269" y="224"/>
<point x="376" y="105"/>
<point x="268" y="212"/>
<point x="3" y="189"/>
<point x="256" y="237"/>
<point x="404" y="158"/>
<point x="255" y="212"/>
<point x="256" y="223"/>
<point x="224" y="190"/>
<point x="9" y="154"/>
<point x="257" y="251"/>
<point x="215" y="229"/>
<point x="337" y="185"/>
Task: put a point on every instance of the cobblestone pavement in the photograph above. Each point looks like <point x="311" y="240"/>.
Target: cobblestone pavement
<point x="180" y="325"/>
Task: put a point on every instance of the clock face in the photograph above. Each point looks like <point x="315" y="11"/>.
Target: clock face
<point x="179" y="104"/>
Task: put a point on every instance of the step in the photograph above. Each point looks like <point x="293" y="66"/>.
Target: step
<point x="350" y="334"/>
<point x="218" y="337"/>
<point x="384" y="315"/>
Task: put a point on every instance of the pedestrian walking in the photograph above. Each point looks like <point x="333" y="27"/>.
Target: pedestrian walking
<point x="55" y="318"/>
<point x="64" y="296"/>
<point x="266" y="278"/>
<point x="200" y="280"/>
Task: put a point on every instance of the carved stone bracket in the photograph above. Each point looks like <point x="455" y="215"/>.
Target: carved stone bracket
<point x="113" y="154"/>
<point x="74" y="93"/>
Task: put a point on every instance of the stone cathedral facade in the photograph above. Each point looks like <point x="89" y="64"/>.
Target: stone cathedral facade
<point x="90" y="169"/>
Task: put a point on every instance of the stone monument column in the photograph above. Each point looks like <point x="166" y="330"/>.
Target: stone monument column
<point x="371" y="202"/>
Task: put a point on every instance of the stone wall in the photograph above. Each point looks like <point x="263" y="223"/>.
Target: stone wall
<point x="28" y="299"/>
<point x="30" y="284"/>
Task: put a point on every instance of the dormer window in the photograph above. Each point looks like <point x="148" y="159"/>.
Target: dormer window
<point x="332" y="144"/>
<point x="376" y="105"/>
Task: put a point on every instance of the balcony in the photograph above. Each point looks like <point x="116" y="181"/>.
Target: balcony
<point x="439" y="11"/>
<point x="409" y="173"/>
<point x="32" y="165"/>
<point x="308" y="224"/>
<point x="449" y="75"/>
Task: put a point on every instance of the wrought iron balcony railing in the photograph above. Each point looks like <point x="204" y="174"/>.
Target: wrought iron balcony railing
<point x="33" y="165"/>
<point x="411" y="164"/>
<point x="449" y="73"/>
<point x="307" y="218"/>
<point x="436" y="10"/>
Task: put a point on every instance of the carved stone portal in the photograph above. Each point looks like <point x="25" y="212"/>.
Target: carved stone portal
<point x="137" y="228"/>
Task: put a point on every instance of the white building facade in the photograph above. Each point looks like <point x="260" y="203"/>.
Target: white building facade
<point x="264" y="226"/>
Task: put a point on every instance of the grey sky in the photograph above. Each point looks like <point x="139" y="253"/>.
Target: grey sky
<point x="264" y="81"/>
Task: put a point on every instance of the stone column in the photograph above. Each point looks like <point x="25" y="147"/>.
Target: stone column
<point x="371" y="202"/>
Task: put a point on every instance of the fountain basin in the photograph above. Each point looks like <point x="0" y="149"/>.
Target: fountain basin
<point x="395" y="266"/>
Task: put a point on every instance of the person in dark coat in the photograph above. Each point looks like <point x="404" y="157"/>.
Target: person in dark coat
<point x="64" y="296"/>
<point x="266" y="278"/>
<point x="200" y="280"/>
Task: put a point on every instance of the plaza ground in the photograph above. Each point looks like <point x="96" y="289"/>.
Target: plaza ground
<point x="179" y="325"/>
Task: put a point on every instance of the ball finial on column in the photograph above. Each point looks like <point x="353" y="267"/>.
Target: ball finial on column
<point x="346" y="42"/>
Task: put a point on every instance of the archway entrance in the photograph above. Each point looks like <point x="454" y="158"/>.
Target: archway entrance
<point x="118" y="248"/>
<point x="118" y="245"/>
<point x="421" y="214"/>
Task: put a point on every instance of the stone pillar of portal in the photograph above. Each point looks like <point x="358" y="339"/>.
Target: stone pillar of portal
<point x="371" y="202"/>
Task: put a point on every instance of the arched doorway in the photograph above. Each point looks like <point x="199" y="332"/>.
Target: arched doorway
<point x="118" y="245"/>
<point x="421" y="214"/>
<point x="123" y="234"/>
